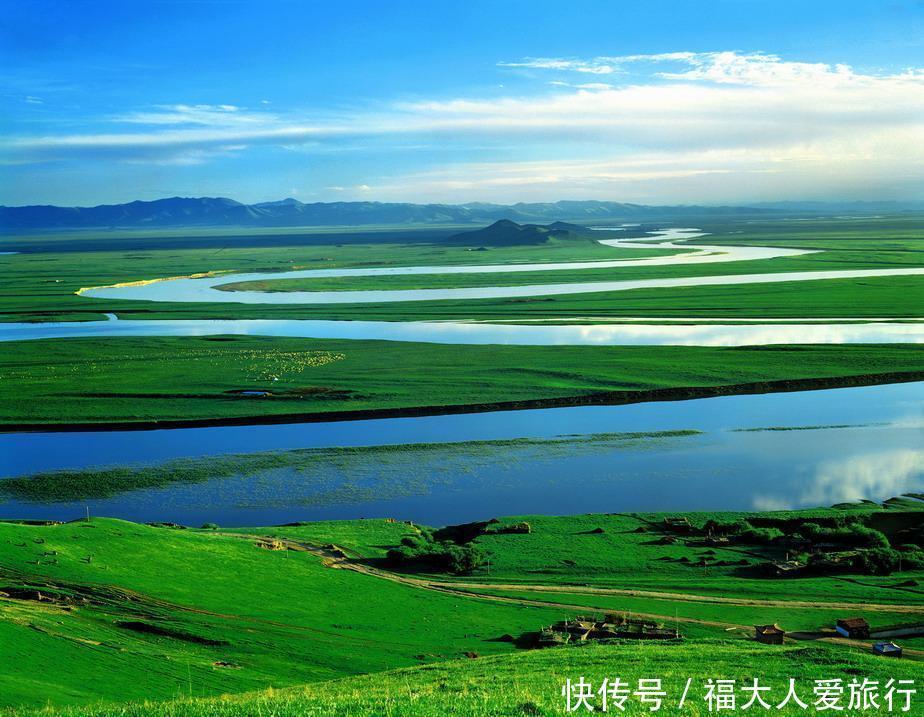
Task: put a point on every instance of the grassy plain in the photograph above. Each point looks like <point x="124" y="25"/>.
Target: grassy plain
<point x="40" y="285"/>
<point x="872" y="297"/>
<point x="136" y="380"/>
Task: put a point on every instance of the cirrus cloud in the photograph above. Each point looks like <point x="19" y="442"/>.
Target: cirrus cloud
<point x="667" y="119"/>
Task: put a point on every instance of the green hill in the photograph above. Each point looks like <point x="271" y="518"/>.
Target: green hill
<point x="107" y="612"/>
<point x="530" y="684"/>
<point x="508" y="233"/>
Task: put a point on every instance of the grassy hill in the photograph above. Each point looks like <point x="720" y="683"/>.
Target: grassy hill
<point x="508" y="233"/>
<point x="164" y="611"/>
<point x="529" y="684"/>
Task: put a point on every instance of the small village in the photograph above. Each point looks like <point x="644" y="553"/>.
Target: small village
<point x="851" y="628"/>
<point x="611" y="627"/>
<point x="679" y="530"/>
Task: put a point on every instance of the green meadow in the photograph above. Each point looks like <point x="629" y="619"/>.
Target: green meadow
<point x="194" y="379"/>
<point x="41" y="284"/>
<point x="190" y="615"/>
<point x="139" y="380"/>
<point x="108" y="617"/>
<point x="529" y="684"/>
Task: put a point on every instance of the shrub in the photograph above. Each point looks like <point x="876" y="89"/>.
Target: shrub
<point x="439" y="556"/>
<point x="849" y="535"/>
<point x="760" y="536"/>
<point x="716" y="527"/>
<point x="521" y="527"/>
<point x="877" y="561"/>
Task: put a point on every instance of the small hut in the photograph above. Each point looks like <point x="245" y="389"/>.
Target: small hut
<point x="788" y="569"/>
<point x="887" y="649"/>
<point x="769" y="634"/>
<point x="856" y="628"/>
<point x="677" y="524"/>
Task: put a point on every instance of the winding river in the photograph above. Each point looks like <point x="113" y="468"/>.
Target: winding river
<point x="636" y="331"/>
<point x="203" y="288"/>
<point x="738" y="452"/>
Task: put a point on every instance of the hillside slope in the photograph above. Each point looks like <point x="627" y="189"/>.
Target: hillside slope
<point x="507" y="233"/>
<point x="530" y="684"/>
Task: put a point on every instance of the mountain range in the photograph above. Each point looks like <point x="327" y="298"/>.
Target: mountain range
<point x="219" y="212"/>
<point x="222" y="212"/>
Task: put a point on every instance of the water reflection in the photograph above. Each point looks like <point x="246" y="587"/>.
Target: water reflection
<point x="857" y="477"/>
<point x="203" y="289"/>
<point x="465" y="467"/>
<point x="634" y="334"/>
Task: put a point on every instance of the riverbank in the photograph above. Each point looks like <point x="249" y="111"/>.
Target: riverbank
<point x="96" y="384"/>
<point x="605" y="398"/>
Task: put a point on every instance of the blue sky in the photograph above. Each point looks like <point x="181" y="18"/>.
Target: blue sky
<point x="652" y="102"/>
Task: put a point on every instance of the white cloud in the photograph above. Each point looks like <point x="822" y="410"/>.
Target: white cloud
<point x="687" y="127"/>
<point x="593" y="67"/>
<point x="582" y="86"/>
<point x="206" y="115"/>
<point x="871" y="476"/>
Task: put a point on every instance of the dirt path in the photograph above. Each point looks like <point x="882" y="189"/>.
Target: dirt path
<point x="687" y="597"/>
<point x="339" y="559"/>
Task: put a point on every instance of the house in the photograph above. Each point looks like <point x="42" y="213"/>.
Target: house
<point x="577" y="629"/>
<point x="855" y="628"/>
<point x="549" y="637"/>
<point x="887" y="649"/>
<point x="788" y="569"/>
<point x="796" y="542"/>
<point x="769" y="634"/>
<point x="679" y="525"/>
<point x="612" y="627"/>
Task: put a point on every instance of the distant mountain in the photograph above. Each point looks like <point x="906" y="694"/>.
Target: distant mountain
<point x="854" y="207"/>
<point x="221" y="212"/>
<point x="507" y="233"/>
<point x="177" y="211"/>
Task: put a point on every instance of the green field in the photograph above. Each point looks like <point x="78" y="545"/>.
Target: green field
<point x="166" y="612"/>
<point x="132" y="380"/>
<point x="530" y="684"/>
<point x="41" y="285"/>
<point x="194" y="379"/>
<point x="108" y="617"/>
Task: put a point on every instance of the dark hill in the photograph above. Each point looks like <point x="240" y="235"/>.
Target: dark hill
<point x="507" y="233"/>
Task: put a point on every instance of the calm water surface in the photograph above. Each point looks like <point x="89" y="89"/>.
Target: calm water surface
<point x="449" y="332"/>
<point x="857" y="443"/>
